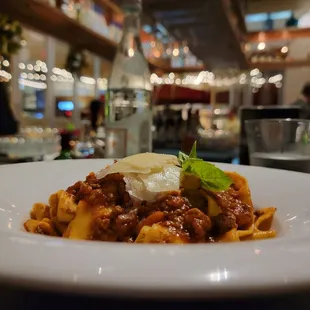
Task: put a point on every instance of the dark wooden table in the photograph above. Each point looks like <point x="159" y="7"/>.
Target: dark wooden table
<point x="20" y="299"/>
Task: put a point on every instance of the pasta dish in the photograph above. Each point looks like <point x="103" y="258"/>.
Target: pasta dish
<point x="155" y="198"/>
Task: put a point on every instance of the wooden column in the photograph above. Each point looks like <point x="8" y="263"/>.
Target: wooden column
<point x="16" y="94"/>
<point x="97" y="75"/>
<point x="247" y="95"/>
<point x="76" y="113"/>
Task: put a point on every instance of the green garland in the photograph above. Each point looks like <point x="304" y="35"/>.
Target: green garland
<point x="11" y="35"/>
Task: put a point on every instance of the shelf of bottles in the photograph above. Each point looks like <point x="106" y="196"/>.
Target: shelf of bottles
<point x="158" y="45"/>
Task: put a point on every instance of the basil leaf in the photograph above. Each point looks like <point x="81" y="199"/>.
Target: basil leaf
<point x="182" y="157"/>
<point x="211" y="177"/>
<point x="193" y="153"/>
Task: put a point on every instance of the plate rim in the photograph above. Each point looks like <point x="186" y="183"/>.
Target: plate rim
<point x="198" y="288"/>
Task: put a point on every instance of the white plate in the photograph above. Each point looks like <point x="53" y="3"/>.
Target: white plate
<point x="174" y="271"/>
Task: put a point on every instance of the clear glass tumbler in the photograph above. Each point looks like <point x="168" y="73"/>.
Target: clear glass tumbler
<point x="279" y="143"/>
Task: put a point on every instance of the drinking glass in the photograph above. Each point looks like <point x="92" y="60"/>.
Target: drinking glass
<point x="279" y="143"/>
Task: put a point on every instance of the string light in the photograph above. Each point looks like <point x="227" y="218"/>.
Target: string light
<point x="21" y="66"/>
<point x="175" y="52"/>
<point x="284" y="49"/>
<point x="171" y="75"/>
<point x="5" y="63"/>
<point x="204" y="77"/>
<point x="211" y="75"/>
<point x="278" y="85"/>
<point x="102" y="83"/>
<point x="131" y="52"/>
<point x="87" y="80"/>
<point x="33" y="84"/>
<point x="6" y="75"/>
<point x="275" y="79"/>
<point x="261" y="46"/>
<point x="254" y="72"/>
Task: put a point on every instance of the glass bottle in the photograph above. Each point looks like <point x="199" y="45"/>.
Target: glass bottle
<point x="66" y="137"/>
<point x="128" y="111"/>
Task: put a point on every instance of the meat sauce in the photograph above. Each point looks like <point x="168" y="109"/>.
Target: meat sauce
<point x="117" y="217"/>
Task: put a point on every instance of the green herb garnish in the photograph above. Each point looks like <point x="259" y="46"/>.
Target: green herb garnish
<point x="211" y="177"/>
<point x="193" y="154"/>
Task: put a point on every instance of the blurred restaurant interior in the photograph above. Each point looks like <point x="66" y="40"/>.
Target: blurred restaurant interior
<point x="210" y="61"/>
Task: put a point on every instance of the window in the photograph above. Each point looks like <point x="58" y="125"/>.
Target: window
<point x="256" y="18"/>
<point x="262" y="17"/>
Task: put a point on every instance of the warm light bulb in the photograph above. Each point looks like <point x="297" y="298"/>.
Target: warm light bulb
<point x="261" y="46"/>
<point x="284" y="49"/>
<point x="175" y="52"/>
<point x="131" y="52"/>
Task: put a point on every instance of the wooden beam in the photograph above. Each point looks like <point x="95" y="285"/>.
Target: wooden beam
<point x="173" y="5"/>
<point x="111" y="10"/>
<point x="108" y="4"/>
<point x="236" y="5"/>
<point x="274" y="35"/>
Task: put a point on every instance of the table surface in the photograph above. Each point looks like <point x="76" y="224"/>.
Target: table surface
<point x="20" y="299"/>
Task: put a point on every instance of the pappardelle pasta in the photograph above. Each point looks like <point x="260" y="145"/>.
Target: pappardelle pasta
<point x="155" y="198"/>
